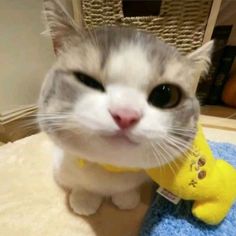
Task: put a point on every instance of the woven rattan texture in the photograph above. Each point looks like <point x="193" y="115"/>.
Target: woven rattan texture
<point x="181" y="22"/>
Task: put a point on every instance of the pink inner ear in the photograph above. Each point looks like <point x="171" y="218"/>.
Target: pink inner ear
<point x="56" y="46"/>
<point x="125" y="118"/>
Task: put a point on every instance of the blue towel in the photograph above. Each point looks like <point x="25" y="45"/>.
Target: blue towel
<point x="165" y="218"/>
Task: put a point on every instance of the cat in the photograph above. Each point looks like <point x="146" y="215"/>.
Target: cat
<point x="115" y="96"/>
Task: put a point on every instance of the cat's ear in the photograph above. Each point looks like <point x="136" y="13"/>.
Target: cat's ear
<point x="60" y="24"/>
<point x="200" y="60"/>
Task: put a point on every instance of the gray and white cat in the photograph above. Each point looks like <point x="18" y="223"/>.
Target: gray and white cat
<point x="115" y="96"/>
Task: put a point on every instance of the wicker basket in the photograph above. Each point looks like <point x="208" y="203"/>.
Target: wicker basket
<point x="181" y="23"/>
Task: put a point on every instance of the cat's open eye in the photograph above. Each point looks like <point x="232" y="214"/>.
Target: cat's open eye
<point x="165" y="96"/>
<point x="89" y="81"/>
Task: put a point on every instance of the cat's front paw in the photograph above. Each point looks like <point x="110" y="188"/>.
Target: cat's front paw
<point x="84" y="203"/>
<point x="127" y="200"/>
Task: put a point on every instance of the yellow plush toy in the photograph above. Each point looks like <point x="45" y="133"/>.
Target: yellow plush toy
<point x="200" y="177"/>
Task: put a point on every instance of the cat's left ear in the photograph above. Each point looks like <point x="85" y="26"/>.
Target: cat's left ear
<point x="59" y="23"/>
<point x="200" y="60"/>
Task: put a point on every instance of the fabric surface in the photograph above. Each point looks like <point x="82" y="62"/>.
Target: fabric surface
<point x="165" y="218"/>
<point x="31" y="204"/>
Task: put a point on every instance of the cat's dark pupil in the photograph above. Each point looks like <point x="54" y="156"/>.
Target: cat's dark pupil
<point x="89" y="81"/>
<point x="164" y="96"/>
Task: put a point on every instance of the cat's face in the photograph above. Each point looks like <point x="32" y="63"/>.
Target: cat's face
<point x="121" y="97"/>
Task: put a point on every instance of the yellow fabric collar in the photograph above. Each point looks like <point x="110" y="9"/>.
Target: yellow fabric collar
<point x="80" y="163"/>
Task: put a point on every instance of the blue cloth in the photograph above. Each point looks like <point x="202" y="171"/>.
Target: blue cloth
<point x="167" y="219"/>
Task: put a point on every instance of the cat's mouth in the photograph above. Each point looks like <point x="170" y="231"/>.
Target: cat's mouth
<point x="120" y="138"/>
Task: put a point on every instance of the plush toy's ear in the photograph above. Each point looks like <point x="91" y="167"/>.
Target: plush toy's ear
<point x="60" y="24"/>
<point x="201" y="60"/>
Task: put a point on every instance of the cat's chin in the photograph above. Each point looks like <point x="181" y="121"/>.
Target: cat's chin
<point x="119" y="139"/>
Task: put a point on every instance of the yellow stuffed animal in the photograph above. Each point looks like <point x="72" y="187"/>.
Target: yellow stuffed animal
<point x="200" y="177"/>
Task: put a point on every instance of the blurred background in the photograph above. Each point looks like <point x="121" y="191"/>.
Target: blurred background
<point x="25" y="54"/>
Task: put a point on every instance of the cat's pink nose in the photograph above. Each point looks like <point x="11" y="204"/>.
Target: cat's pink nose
<point x="125" y="118"/>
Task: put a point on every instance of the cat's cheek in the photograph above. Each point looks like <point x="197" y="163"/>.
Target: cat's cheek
<point x="91" y="112"/>
<point x="186" y="116"/>
<point x="153" y="125"/>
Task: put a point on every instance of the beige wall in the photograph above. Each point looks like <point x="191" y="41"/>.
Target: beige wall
<point x="25" y="55"/>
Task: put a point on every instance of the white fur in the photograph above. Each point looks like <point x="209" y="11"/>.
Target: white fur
<point x="123" y="65"/>
<point x="129" y="74"/>
<point x="91" y="183"/>
<point x="173" y="68"/>
<point x="95" y="118"/>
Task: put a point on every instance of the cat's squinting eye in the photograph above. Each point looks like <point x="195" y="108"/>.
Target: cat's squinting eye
<point x="89" y="81"/>
<point x="165" y="96"/>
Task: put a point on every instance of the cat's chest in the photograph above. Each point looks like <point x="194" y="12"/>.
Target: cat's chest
<point x="94" y="177"/>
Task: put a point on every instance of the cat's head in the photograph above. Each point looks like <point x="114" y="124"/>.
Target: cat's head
<point x="119" y="96"/>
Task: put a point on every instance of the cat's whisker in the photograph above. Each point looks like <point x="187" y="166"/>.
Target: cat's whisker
<point x="156" y="153"/>
<point x="180" y="143"/>
<point x="183" y="148"/>
<point x="188" y="133"/>
<point x="172" y="149"/>
<point x="181" y="137"/>
<point x="54" y="114"/>
<point x="159" y="165"/>
<point x="168" y="162"/>
<point x="62" y="127"/>
<point x="184" y="144"/>
<point x="169" y="153"/>
<point x="170" y="145"/>
<point x="181" y="128"/>
<point x="184" y="133"/>
<point x="157" y="157"/>
<point x="58" y="121"/>
<point x="180" y="133"/>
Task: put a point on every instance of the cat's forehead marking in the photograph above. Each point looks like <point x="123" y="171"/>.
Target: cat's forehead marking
<point x="172" y="70"/>
<point x="129" y="64"/>
<point x="86" y="58"/>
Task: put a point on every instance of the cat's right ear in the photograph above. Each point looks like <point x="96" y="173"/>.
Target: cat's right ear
<point x="60" y="24"/>
<point x="200" y="61"/>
